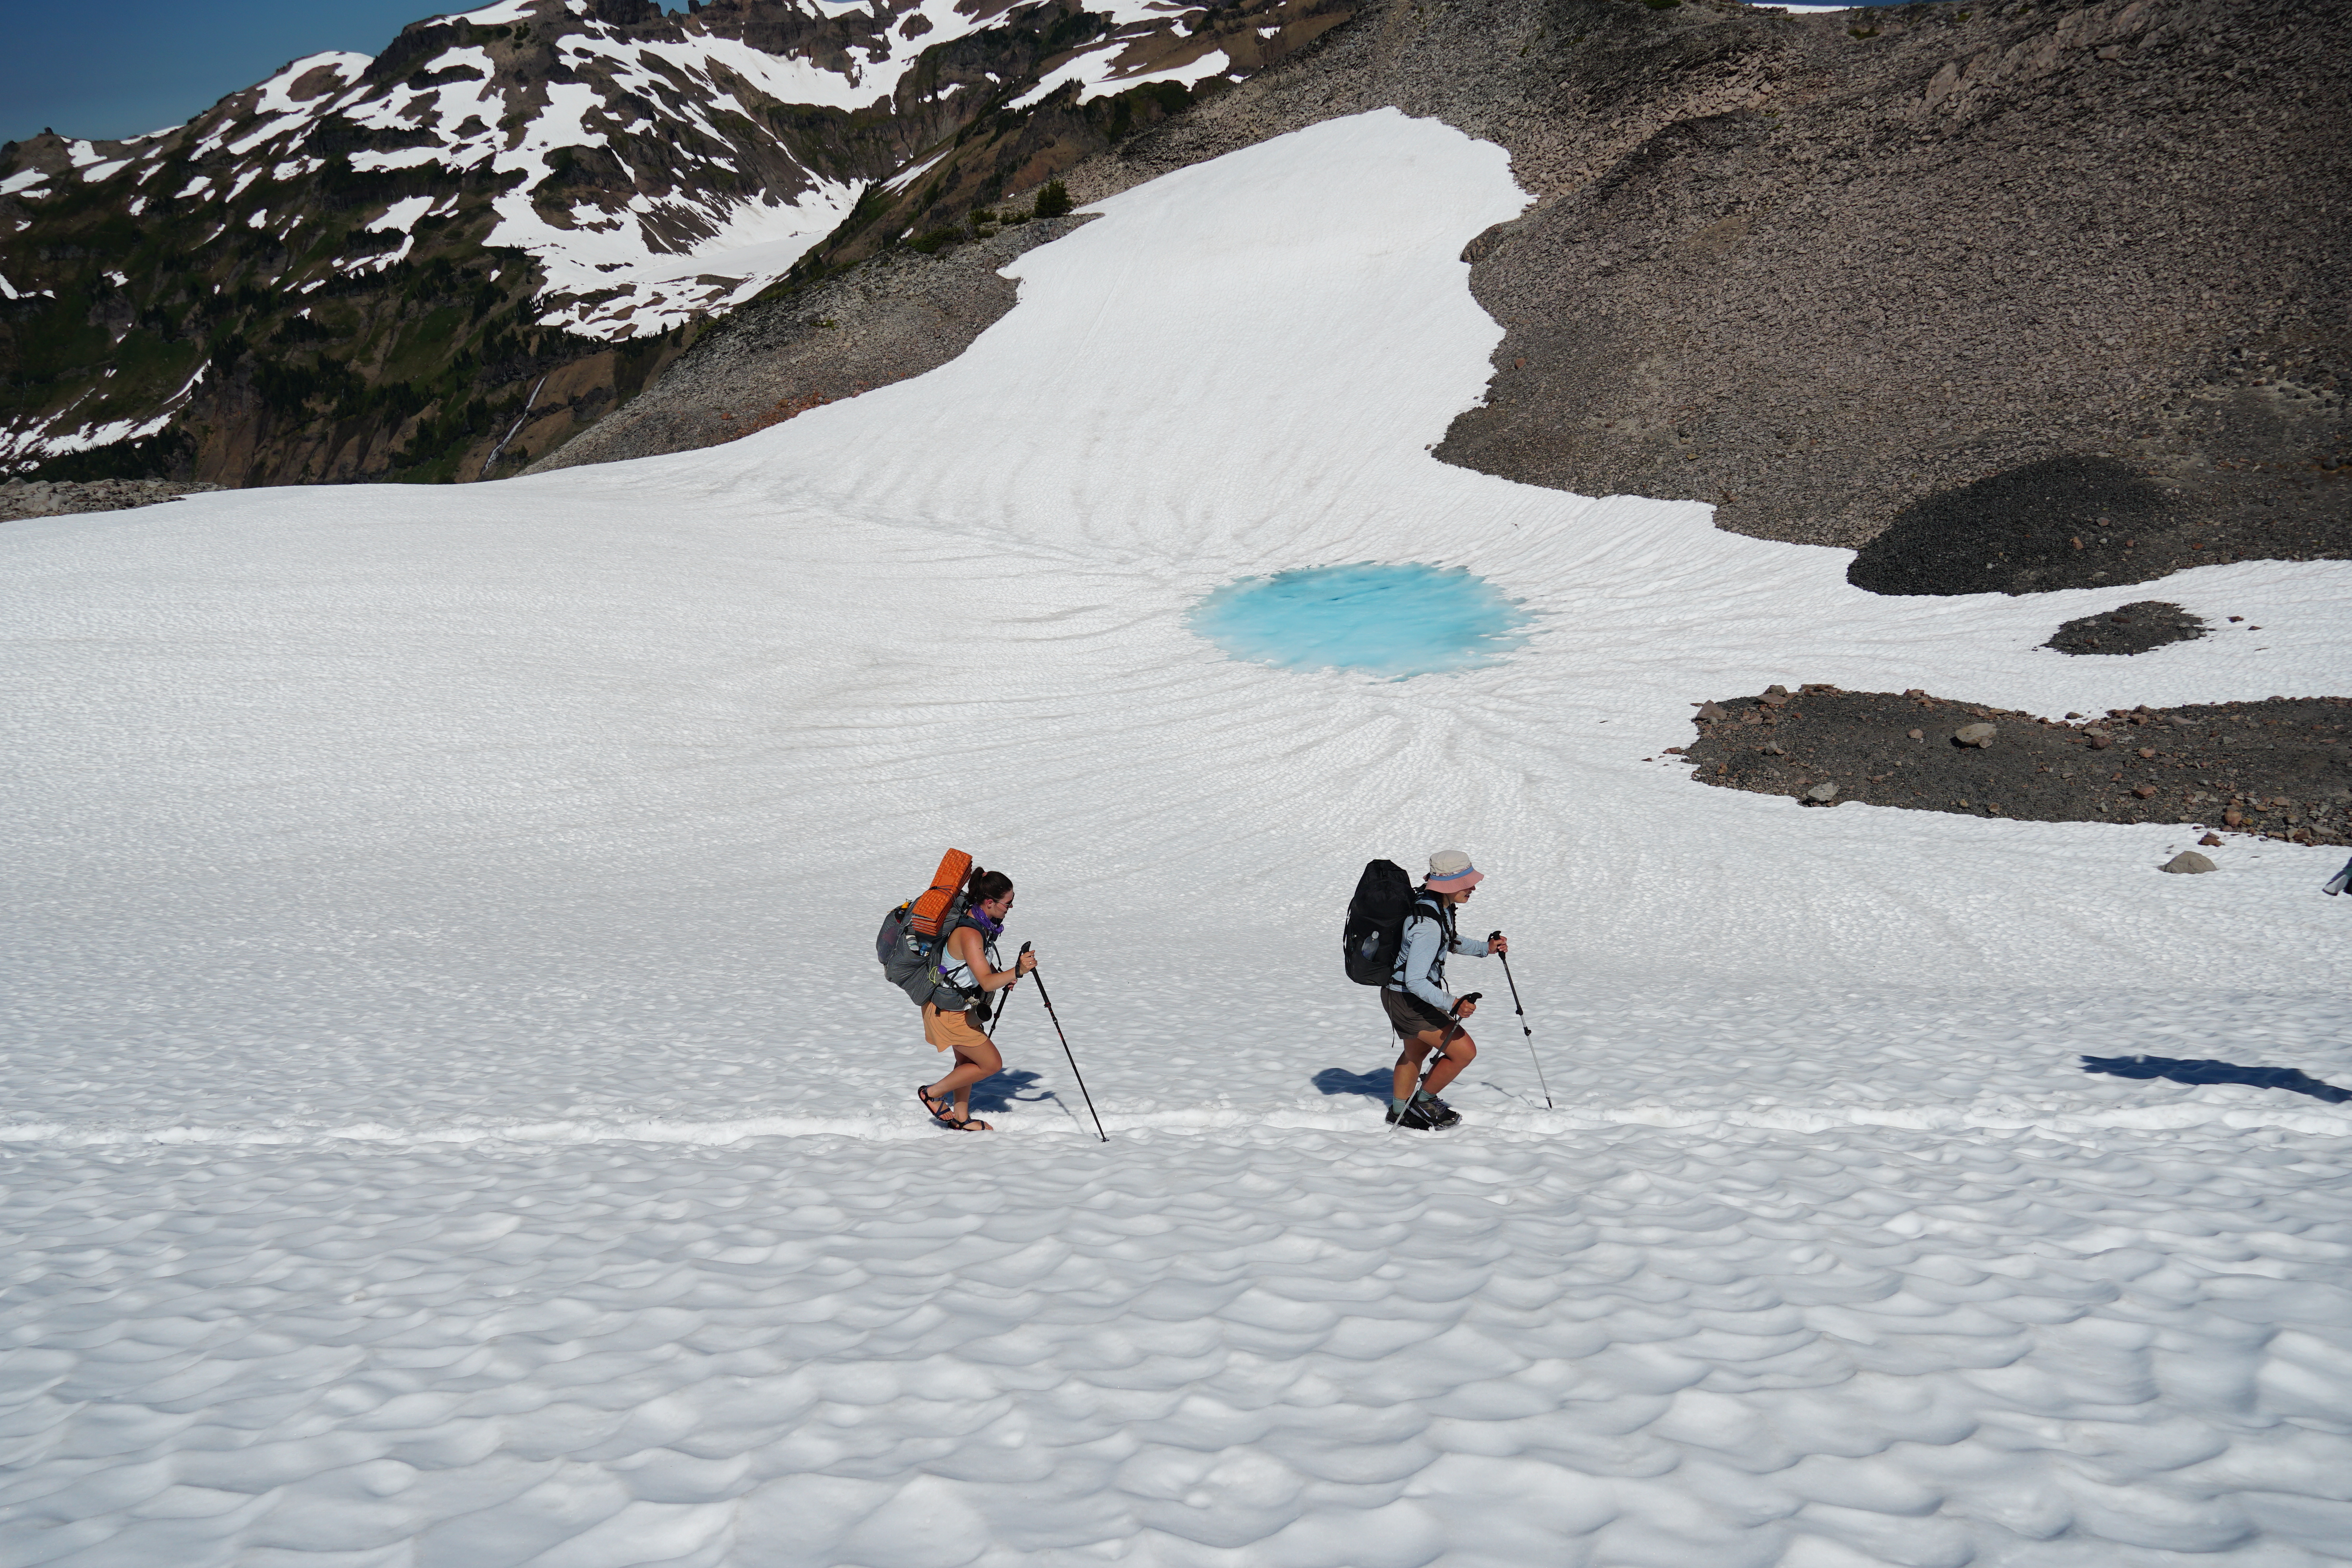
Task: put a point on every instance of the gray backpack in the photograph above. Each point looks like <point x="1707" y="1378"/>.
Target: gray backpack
<point x="911" y="961"/>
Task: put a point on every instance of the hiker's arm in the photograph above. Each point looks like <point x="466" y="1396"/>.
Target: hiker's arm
<point x="1422" y="939"/>
<point x="1473" y="946"/>
<point x="968" y="946"/>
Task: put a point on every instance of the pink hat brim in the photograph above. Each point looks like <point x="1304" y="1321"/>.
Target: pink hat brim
<point x="1455" y="884"/>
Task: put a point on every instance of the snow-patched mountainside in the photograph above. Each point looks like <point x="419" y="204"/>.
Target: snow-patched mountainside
<point x="455" y="1117"/>
<point x="370" y="267"/>
<point x="714" y="200"/>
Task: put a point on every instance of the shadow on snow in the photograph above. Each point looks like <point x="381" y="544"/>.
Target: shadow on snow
<point x="1370" y="1085"/>
<point x="2292" y="1078"/>
<point x="1000" y="1090"/>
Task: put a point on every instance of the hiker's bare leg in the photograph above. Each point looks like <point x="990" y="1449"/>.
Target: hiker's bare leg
<point x="1457" y="1055"/>
<point x="1407" y="1067"/>
<point x="973" y="1064"/>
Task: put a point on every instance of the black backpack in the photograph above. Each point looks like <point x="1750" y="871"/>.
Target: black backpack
<point x="1384" y="895"/>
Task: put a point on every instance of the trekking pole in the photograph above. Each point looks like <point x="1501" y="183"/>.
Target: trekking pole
<point x="998" y="1016"/>
<point x="1522" y="1012"/>
<point x="1066" y="1051"/>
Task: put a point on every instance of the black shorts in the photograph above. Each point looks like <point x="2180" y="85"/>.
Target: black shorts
<point x="1409" y="1015"/>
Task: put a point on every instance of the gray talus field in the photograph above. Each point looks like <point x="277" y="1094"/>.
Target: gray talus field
<point x="2015" y="297"/>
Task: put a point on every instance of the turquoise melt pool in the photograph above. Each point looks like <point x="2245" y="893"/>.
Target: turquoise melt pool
<point x="1397" y="619"/>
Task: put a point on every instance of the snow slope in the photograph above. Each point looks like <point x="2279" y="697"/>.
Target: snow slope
<point x="453" y="1117"/>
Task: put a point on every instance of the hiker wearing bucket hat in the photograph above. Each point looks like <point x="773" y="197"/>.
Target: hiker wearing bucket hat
<point x="1426" y="1016"/>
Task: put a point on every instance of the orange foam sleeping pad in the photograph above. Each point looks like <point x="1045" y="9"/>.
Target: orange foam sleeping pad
<point x="946" y="882"/>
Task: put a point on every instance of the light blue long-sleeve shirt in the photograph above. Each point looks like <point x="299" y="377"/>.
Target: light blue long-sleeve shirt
<point x="1421" y="957"/>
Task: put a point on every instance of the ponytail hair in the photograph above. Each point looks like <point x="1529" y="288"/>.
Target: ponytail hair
<point x="982" y="886"/>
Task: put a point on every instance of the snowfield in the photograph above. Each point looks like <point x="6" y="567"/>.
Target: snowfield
<point x="454" y="1119"/>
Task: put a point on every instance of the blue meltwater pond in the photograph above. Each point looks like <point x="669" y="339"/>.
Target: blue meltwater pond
<point x="1394" y="619"/>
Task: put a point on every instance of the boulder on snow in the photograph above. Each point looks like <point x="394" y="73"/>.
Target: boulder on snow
<point x="2188" y="862"/>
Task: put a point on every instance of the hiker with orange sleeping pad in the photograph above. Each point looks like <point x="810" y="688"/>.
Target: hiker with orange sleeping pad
<point x="968" y="969"/>
<point x="941" y="949"/>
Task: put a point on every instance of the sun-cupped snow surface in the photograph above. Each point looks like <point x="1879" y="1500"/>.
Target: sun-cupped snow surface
<point x="452" y="1117"/>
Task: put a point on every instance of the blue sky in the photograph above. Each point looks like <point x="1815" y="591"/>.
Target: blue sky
<point x="139" y="65"/>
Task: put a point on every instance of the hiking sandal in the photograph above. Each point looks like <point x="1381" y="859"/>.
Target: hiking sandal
<point x="942" y="1110"/>
<point x="969" y="1124"/>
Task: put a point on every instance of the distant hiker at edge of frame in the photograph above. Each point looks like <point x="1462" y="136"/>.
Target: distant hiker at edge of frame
<point x="1426" y="1016"/>
<point x="968" y="968"/>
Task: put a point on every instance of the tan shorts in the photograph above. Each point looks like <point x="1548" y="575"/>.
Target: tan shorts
<point x="951" y="1031"/>
<point x="1410" y="1016"/>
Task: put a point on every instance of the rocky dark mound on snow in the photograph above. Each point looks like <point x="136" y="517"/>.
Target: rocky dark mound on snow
<point x="2043" y="525"/>
<point x="2126" y="629"/>
<point x="2281" y="768"/>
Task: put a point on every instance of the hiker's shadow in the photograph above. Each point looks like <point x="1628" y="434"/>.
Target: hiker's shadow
<point x="1001" y="1090"/>
<point x="2209" y="1071"/>
<point x="1377" y="1085"/>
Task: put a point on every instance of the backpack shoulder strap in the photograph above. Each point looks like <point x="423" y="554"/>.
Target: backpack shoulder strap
<point x="1423" y="905"/>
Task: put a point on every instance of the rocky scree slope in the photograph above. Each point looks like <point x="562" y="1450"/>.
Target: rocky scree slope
<point x="2006" y="297"/>
<point x="58" y="497"/>
<point x="436" y="263"/>
<point x="2009" y="297"/>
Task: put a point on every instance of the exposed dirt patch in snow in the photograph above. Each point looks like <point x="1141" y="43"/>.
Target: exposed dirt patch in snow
<point x="2281" y="769"/>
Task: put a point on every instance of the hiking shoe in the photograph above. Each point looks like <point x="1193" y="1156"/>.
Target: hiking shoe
<point x="1414" y="1116"/>
<point x="1439" y="1113"/>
